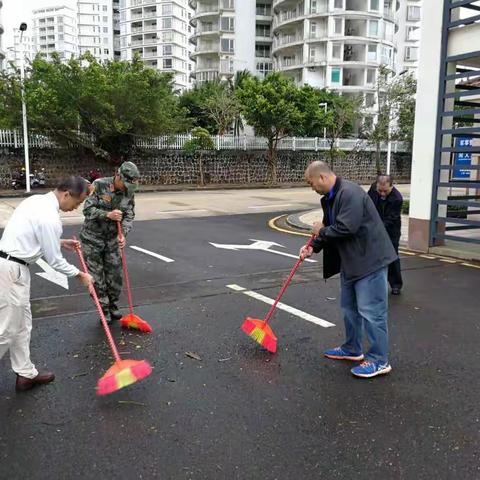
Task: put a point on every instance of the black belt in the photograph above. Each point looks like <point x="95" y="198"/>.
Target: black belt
<point x="13" y="259"/>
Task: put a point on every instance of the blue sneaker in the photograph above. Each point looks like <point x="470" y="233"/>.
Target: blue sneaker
<point x="339" y="354"/>
<point x="371" y="369"/>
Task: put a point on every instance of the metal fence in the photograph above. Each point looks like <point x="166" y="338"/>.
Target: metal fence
<point x="12" y="138"/>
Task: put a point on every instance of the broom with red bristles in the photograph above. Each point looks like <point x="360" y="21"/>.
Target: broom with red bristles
<point x="260" y="330"/>
<point x="130" y="320"/>
<point x="123" y="372"/>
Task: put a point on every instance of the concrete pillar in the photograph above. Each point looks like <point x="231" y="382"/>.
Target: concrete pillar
<point x="425" y="127"/>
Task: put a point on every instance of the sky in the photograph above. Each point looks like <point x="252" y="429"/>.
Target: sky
<point x="15" y="12"/>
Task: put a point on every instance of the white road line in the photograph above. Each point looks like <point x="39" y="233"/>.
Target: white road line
<point x="153" y="254"/>
<point x="428" y="257"/>
<point x="447" y="260"/>
<point x="182" y="211"/>
<point x="282" y="306"/>
<point x="272" y="205"/>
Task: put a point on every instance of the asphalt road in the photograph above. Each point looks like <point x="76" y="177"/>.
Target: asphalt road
<point x="239" y="412"/>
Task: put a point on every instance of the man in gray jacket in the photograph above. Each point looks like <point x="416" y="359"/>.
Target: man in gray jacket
<point x="356" y="245"/>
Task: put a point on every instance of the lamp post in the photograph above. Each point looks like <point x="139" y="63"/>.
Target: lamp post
<point x="23" y="28"/>
<point x="325" y="106"/>
<point x="389" y="130"/>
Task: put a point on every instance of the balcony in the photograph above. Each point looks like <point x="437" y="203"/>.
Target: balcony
<point x="290" y="63"/>
<point x="211" y="48"/>
<point x="287" y="40"/>
<point x="354" y="53"/>
<point x="151" y="54"/>
<point x="286" y="17"/>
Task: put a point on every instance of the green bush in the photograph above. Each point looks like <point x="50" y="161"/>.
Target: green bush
<point x="201" y="140"/>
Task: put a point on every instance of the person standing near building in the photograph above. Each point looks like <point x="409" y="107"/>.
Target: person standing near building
<point x="33" y="231"/>
<point x="389" y="201"/>
<point x="356" y="245"/>
<point x="111" y="201"/>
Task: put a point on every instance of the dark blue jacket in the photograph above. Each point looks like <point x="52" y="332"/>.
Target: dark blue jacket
<point x="354" y="241"/>
<point x="390" y="211"/>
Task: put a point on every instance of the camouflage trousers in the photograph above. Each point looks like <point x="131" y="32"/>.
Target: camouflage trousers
<point x="104" y="263"/>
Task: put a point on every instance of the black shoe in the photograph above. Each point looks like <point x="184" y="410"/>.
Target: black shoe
<point x="108" y="318"/>
<point x="396" y="291"/>
<point x="115" y="314"/>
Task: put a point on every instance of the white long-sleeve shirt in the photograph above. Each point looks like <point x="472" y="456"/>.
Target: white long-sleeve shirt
<point x="34" y="230"/>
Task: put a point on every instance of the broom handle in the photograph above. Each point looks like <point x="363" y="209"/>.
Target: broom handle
<point x="125" y="270"/>
<point x="287" y="282"/>
<point x="99" y="307"/>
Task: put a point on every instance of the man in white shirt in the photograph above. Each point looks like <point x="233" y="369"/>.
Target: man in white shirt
<point x="33" y="231"/>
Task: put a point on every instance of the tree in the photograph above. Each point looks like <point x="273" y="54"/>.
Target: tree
<point x="100" y="106"/>
<point x="223" y="109"/>
<point x="201" y="140"/>
<point x="395" y="117"/>
<point x="194" y="102"/>
<point x="337" y="119"/>
<point x="271" y="107"/>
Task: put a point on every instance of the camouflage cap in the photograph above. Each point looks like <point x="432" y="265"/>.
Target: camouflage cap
<point x="130" y="175"/>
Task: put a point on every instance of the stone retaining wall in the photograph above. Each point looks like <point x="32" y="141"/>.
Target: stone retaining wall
<point x="175" y="167"/>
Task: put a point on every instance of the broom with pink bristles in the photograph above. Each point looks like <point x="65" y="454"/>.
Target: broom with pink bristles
<point x="123" y="372"/>
<point x="260" y="330"/>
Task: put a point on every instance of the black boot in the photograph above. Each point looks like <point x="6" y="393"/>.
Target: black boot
<point x="108" y="318"/>
<point x="115" y="314"/>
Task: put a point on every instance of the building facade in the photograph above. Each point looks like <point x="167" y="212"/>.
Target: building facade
<point x="231" y="36"/>
<point x="157" y="31"/>
<point x="95" y="28"/>
<point x="407" y="38"/>
<point x="55" y="30"/>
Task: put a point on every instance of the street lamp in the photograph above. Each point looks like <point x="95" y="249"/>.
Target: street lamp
<point x="325" y="106"/>
<point x="23" y="28"/>
<point x="389" y="130"/>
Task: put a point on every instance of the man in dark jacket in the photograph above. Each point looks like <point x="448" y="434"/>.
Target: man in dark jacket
<point x="389" y="201"/>
<point x="356" y="245"/>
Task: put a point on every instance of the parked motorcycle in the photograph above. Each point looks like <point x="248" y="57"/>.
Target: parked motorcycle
<point x="38" y="179"/>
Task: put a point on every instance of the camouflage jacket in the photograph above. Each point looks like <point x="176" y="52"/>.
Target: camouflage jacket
<point x="103" y="200"/>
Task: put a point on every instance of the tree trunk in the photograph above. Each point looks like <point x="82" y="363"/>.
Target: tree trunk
<point x="200" y="166"/>
<point x="377" y="158"/>
<point x="272" y="160"/>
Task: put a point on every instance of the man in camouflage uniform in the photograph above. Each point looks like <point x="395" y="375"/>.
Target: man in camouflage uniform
<point x="111" y="201"/>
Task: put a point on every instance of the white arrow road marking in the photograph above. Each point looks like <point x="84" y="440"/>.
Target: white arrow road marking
<point x="261" y="245"/>
<point x="153" y="254"/>
<point x="282" y="306"/>
<point x="51" y="275"/>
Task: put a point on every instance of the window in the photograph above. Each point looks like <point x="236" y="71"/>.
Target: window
<point x="105" y="41"/>
<point x="335" y="75"/>
<point x="105" y="19"/>
<point x="263" y="9"/>
<point x="413" y="33"/>
<point x="313" y="54"/>
<point x="371" y="74"/>
<point x="227" y="24"/>
<point x="262" y="31"/>
<point x="413" y="14"/>
<point x="167" y="50"/>
<point x="105" y="51"/>
<point x="313" y="29"/>
<point x="105" y="29"/>
<point x="167" y="63"/>
<point x="105" y="8"/>
<point x="60" y="29"/>
<point x="228" y="4"/>
<point x="411" y="54"/>
<point x="313" y="6"/>
<point x="369" y="100"/>
<point x="60" y="19"/>
<point x="374" y="5"/>
<point x="262" y="51"/>
<point x="373" y="28"/>
<point x="166" y="23"/>
<point x="338" y="24"/>
<point x="337" y="51"/>
<point x="227" y="45"/>
<point x="60" y="37"/>
<point x="338" y="4"/>
<point x="167" y="9"/>
<point x="168" y="36"/>
<point x="372" y="53"/>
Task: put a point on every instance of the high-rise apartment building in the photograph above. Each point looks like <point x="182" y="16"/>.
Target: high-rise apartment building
<point x="55" y="30"/>
<point x="95" y="28"/>
<point x="231" y="36"/>
<point x="26" y="46"/>
<point x="408" y="35"/>
<point x="157" y="31"/>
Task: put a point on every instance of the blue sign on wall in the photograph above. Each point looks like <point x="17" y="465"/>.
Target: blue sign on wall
<point x="462" y="158"/>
